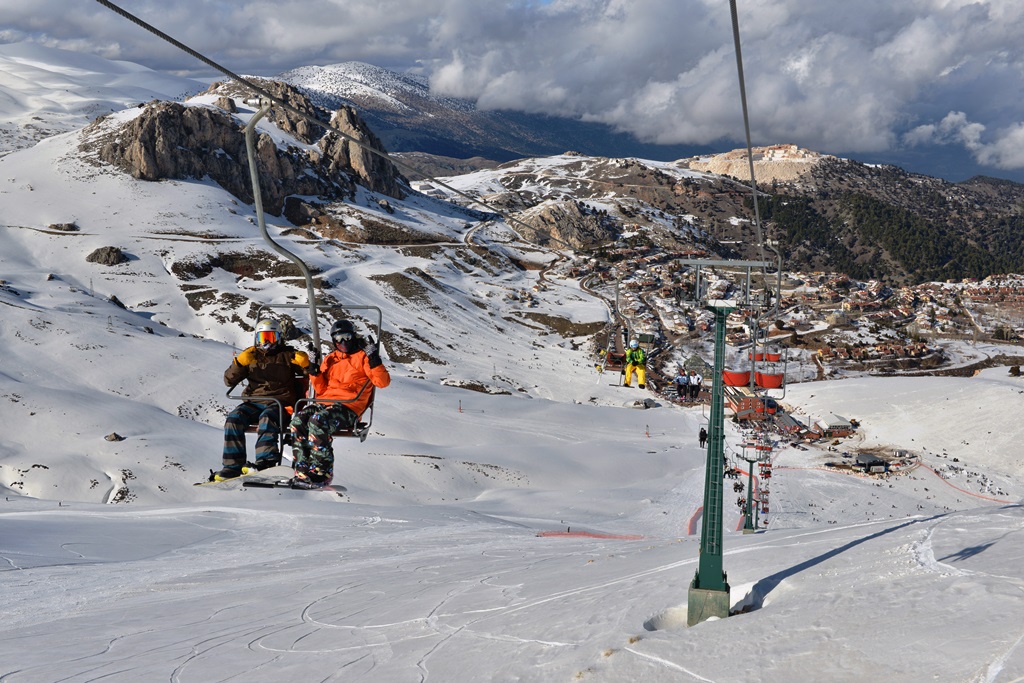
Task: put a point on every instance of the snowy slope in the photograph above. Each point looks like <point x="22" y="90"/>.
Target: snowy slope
<point x="44" y="91"/>
<point x="543" y="534"/>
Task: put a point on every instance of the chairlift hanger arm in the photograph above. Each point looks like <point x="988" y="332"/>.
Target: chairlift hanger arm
<point x="254" y="176"/>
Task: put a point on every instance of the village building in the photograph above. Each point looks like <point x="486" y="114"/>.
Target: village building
<point x="833" y="425"/>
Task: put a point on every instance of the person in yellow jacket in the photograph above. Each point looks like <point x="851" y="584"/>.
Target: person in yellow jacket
<point x="346" y="374"/>
<point x="270" y="367"/>
<point x="636" y="360"/>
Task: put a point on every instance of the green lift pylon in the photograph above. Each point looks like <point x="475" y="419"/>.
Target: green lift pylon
<point x="709" y="590"/>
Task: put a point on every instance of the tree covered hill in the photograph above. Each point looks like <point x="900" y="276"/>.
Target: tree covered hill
<point x="882" y="222"/>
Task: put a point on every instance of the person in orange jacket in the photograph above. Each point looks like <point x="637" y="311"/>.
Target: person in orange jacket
<point x="346" y="374"/>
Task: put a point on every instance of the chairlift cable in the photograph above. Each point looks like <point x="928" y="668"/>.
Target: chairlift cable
<point x="262" y="92"/>
<point x="753" y="181"/>
<point x="746" y="124"/>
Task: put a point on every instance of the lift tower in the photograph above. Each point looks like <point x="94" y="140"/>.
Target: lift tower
<point x="709" y="590"/>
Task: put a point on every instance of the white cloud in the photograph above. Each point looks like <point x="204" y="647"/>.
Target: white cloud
<point x="831" y="76"/>
<point x="1005" y="150"/>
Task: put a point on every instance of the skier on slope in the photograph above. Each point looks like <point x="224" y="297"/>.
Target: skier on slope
<point x="344" y="375"/>
<point x="271" y="368"/>
<point x="636" y="358"/>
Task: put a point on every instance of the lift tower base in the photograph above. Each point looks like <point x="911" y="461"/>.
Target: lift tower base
<point x="704" y="603"/>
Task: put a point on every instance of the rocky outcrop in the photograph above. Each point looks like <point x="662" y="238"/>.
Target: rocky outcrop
<point x="107" y="256"/>
<point x="564" y="221"/>
<point x="775" y="163"/>
<point x="377" y="173"/>
<point x="297" y="126"/>
<point x="169" y="140"/>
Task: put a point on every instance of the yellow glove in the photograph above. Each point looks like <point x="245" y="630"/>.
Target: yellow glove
<point x="247" y="357"/>
<point x="301" y="359"/>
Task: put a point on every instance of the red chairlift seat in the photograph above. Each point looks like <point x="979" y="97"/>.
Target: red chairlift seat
<point x="735" y="379"/>
<point x="615" y="361"/>
<point x="768" y="380"/>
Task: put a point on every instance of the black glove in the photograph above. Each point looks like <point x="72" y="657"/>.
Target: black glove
<point x="623" y="371"/>
<point x="313" y="369"/>
<point x="372" y="353"/>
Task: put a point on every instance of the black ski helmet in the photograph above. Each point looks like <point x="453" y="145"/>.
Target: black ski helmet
<point x="341" y="328"/>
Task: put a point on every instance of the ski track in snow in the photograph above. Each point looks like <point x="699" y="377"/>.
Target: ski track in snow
<point x="668" y="665"/>
<point x="437" y="623"/>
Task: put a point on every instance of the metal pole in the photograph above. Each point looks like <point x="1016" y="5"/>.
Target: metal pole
<point x="748" y="522"/>
<point x="250" y="148"/>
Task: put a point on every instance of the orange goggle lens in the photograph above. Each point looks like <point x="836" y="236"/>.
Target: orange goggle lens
<point x="266" y="337"/>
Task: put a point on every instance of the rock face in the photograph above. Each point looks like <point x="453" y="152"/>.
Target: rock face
<point x="777" y="163"/>
<point x="377" y="172"/>
<point x="169" y="140"/>
<point x="107" y="256"/>
<point x="564" y="221"/>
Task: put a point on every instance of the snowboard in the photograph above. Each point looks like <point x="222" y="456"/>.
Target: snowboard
<point x="246" y="472"/>
<point x="284" y="478"/>
<point x="279" y="477"/>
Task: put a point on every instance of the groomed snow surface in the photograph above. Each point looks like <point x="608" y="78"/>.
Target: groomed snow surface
<point x="495" y="538"/>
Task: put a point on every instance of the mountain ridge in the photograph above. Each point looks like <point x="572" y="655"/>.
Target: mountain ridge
<point x="409" y="118"/>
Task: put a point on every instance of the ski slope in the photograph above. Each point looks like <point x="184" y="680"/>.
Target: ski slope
<point x="539" y="530"/>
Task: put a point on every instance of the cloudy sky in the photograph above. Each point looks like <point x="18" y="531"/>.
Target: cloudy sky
<point x="934" y="85"/>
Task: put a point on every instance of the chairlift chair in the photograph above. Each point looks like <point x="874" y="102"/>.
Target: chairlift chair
<point x="362" y="427"/>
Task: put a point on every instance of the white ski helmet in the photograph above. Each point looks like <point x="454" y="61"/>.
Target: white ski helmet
<point x="633" y="343"/>
<point x="268" y="333"/>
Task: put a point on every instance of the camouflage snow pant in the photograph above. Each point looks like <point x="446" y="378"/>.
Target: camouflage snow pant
<point x="312" y="431"/>
<point x="247" y="413"/>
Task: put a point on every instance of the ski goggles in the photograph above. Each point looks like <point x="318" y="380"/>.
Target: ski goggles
<point x="266" y="337"/>
<point x="343" y="337"/>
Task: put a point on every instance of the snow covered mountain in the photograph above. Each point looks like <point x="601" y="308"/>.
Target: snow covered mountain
<point x="513" y="515"/>
<point x="409" y="118"/>
<point x="45" y="91"/>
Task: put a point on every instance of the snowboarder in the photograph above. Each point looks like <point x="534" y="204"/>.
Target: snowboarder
<point x="635" y="360"/>
<point x="271" y="368"/>
<point x="703" y="436"/>
<point x="344" y="375"/>
<point x="682" y="382"/>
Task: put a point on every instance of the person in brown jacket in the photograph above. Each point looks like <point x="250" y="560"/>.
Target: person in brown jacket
<point x="347" y="374"/>
<point x="271" y="368"/>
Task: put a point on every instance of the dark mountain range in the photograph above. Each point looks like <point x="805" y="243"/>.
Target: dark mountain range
<point x="408" y="118"/>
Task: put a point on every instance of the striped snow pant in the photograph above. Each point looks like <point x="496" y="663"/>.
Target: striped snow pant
<point x="312" y="431"/>
<point x="247" y="413"/>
